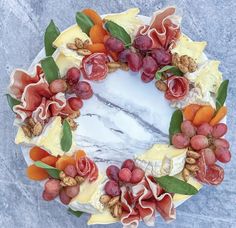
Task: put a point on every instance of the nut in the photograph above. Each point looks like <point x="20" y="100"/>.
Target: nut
<point x="79" y="43"/>
<point x="113" y="65"/>
<point x="79" y="179"/>
<point x="86" y="43"/>
<point x="69" y="181"/>
<point x="84" y="52"/>
<point x="190" y="161"/>
<point x="37" y="129"/>
<point x="62" y="184"/>
<point x="72" y="46"/>
<point x="104" y="199"/>
<point x="175" y="59"/>
<point x="192" y="168"/>
<point x="183" y="68"/>
<point x="110" y="70"/>
<point x="62" y="175"/>
<point x="193" y="154"/>
<point x="185" y="174"/>
<point x="124" y="67"/>
<point x="74" y="115"/>
<point x="116" y="211"/>
<point x="113" y="201"/>
<point x="160" y="85"/>
<point x="31" y="122"/>
<point x="26" y="131"/>
<point x="72" y="123"/>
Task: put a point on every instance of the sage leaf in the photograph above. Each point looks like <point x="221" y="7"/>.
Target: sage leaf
<point x="173" y="69"/>
<point x="76" y="213"/>
<point x="12" y="101"/>
<point x="51" y="33"/>
<point x="175" y="123"/>
<point x="66" y="140"/>
<point x="84" y="22"/>
<point x="50" y="69"/>
<point x="221" y="94"/>
<point x="118" y="32"/>
<point x="52" y="171"/>
<point x="174" y="185"/>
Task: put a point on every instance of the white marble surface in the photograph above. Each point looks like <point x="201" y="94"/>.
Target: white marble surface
<point x="21" y="38"/>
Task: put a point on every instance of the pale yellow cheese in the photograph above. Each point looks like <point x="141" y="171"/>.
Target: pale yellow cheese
<point x="102" y="218"/>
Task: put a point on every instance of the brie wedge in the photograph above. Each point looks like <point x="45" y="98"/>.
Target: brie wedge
<point x="161" y="160"/>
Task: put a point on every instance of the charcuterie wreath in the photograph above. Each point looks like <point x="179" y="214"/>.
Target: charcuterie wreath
<point x="85" y="64"/>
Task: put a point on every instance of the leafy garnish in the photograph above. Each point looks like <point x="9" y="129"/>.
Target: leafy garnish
<point x="76" y="213"/>
<point x="66" y="140"/>
<point x="12" y="101"/>
<point x="174" y="185"/>
<point x="51" y="33"/>
<point x="175" y="123"/>
<point x="221" y="94"/>
<point x="118" y="32"/>
<point x="50" y="69"/>
<point x="173" y="69"/>
<point x="52" y="171"/>
<point x="84" y="22"/>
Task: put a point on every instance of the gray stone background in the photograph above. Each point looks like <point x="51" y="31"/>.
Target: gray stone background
<point x="21" y="37"/>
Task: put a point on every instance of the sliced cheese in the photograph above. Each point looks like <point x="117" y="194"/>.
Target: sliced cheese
<point x="162" y="159"/>
<point x="102" y="218"/>
<point x="49" y="139"/>
<point x="185" y="46"/>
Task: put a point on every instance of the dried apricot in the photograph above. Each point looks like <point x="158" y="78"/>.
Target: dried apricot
<point x="36" y="153"/>
<point x="97" y="48"/>
<point x="35" y="173"/>
<point x="203" y="115"/>
<point x="97" y="34"/>
<point x="79" y="154"/>
<point x="63" y="161"/>
<point x="94" y="16"/>
<point x="190" y="111"/>
<point x="221" y="113"/>
<point x="50" y="160"/>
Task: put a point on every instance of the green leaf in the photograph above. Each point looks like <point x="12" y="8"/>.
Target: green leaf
<point x="66" y="140"/>
<point x="51" y="33"/>
<point x="84" y="22"/>
<point x="50" y="69"/>
<point x="221" y="94"/>
<point x="118" y="32"/>
<point x="53" y="172"/>
<point x="12" y="101"/>
<point x="174" y="185"/>
<point x="173" y="69"/>
<point x="175" y="123"/>
<point x="76" y="213"/>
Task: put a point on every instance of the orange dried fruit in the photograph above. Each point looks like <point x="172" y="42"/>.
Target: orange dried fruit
<point x="79" y="154"/>
<point x="94" y="16"/>
<point x="97" y="48"/>
<point x="63" y="161"/>
<point x="203" y="115"/>
<point x="50" y="160"/>
<point x="190" y="111"/>
<point x="35" y="173"/>
<point x="36" y="153"/>
<point x="97" y="34"/>
<point x="221" y="113"/>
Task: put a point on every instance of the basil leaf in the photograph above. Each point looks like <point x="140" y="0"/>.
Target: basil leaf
<point x="175" y="123"/>
<point x="51" y="33"/>
<point x="53" y="172"/>
<point x="50" y="69"/>
<point x="66" y="140"/>
<point x="12" y="101"/>
<point x="173" y="69"/>
<point x="76" y="213"/>
<point x="118" y="32"/>
<point x="174" y="185"/>
<point x="84" y="22"/>
<point x="221" y="94"/>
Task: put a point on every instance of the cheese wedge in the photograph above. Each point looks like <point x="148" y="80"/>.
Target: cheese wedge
<point x="49" y="139"/>
<point x="102" y="218"/>
<point x="162" y="159"/>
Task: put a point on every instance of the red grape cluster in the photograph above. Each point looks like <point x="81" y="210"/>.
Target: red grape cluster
<point x="140" y="57"/>
<point x="205" y="139"/>
<point x="127" y="174"/>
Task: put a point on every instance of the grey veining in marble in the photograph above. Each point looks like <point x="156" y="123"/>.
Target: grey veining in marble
<point x="21" y="38"/>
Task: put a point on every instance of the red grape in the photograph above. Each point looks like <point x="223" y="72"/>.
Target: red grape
<point x="73" y="76"/>
<point x="125" y="175"/>
<point x="222" y="154"/>
<point x="83" y="90"/>
<point x="188" y="129"/>
<point x="70" y="170"/>
<point x="129" y="164"/>
<point x="134" y="62"/>
<point x="209" y="156"/>
<point x="199" y="142"/>
<point x="57" y="86"/>
<point x="47" y="196"/>
<point x="204" y="129"/>
<point x="221" y="142"/>
<point x="65" y="199"/>
<point x="161" y="56"/>
<point x="142" y="43"/>
<point x="219" y="130"/>
<point x="113" y="172"/>
<point x="113" y="44"/>
<point x="112" y="188"/>
<point x="137" y="176"/>
<point x="75" y="103"/>
<point x="147" y="78"/>
<point x="72" y="191"/>
<point x="52" y="187"/>
<point x="123" y="55"/>
<point x="149" y="65"/>
<point x="180" y="140"/>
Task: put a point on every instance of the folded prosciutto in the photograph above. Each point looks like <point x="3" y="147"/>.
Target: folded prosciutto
<point x="143" y="201"/>
<point x="164" y="28"/>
